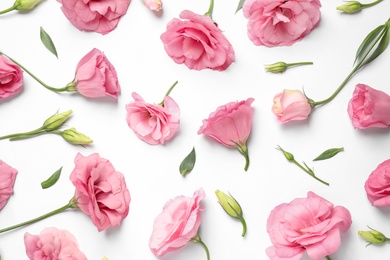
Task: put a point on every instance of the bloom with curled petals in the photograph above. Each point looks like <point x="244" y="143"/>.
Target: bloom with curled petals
<point x="377" y="185"/>
<point x="11" y="77"/>
<point x="7" y="181"/>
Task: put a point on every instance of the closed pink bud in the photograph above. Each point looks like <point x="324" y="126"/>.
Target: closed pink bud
<point x="154" y="5"/>
<point x="7" y="181"/>
<point x="291" y="105"/>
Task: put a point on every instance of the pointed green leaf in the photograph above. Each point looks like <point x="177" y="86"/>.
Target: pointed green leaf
<point x="379" y="49"/>
<point x="46" y="40"/>
<point x="240" y="4"/>
<point x="188" y="163"/>
<point x="367" y="41"/>
<point x="328" y="154"/>
<point x="52" y="179"/>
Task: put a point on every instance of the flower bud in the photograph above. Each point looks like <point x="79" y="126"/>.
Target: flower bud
<point x="229" y="204"/>
<point x="277" y="67"/>
<point x="373" y="236"/>
<point x="74" y="137"/>
<point x="26" y="4"/>
<point x="154" y="5"/>
<point x="56" y="120"/>
<point x="289" y="156"/>
<point x="350" y="7"/>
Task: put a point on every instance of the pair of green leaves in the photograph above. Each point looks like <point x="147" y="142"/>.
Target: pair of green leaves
<point x="47" y="41"/>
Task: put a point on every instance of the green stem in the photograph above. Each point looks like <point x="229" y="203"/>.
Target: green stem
<point x="371" y="4"/>
<point x="209" y="12"/>
<point x="51" y="213"/>
<point x="311" y="173"/>
<point x="21" y="137"/>
<point x="243" y="149"/>
<point x="327" y="258"/>
<point x="197" y="239"/>
<point x="299" y="63"/>
<point x="243" y="226"/>
<point x="66" y="88"/>
<point x="355" y="69"/>
<point x="168" y="92"/>
<point x="8" y="9"/>
<point x="30" y="133"/>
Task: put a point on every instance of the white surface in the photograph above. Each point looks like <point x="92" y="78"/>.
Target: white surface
<point x="152" y="175"/>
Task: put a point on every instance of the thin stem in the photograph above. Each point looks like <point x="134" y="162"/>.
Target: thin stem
<point x="168" y="92"/>
<point x="21" y="137"/>
<point x="309" y="172"/>
<point x="51" y="213"/>
<point x="327" y="258"/>
<point x="33" y="132"/>
<point x="36" y="78"/>
<point x="209" y="12"/>
<point x="8" y="9"/>
<point x="243" y="149"/>
<point x="243" y="226"/>
<point x="197" y="239"/>
<point x="371" y="4"/>
<point x="299" y="63"/>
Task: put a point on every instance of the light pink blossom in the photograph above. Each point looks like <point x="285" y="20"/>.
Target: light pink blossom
<point x="197" y="42"/>
<point x="101" y="191"/>
<point x="11" y="77"/>
<point x="152" y="123"/>
<point x="154" y="5"/>
<point x="369" y="107"/>
<point x="7" y="182"/>
<point x="52" y="244"/>
<point x="177" y="224"/>
<point x="377" y="185"/>
<point x="310" y="224"/>
<point x="291" y="105"/>
<point x="91" y="15"/>
<point x="280" y="23"/>
<point x="96" y="77"/>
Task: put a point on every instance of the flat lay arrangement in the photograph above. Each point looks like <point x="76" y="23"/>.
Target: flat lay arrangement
<point x="152" y="129"/>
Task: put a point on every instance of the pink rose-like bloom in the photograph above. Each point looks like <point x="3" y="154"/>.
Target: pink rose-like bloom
<point x="101" y="191"/>
<point x="377" y="185"/>
<point x="279" y="22"/>
<point x="309" y="224"/>
<point x="369" y="108"/>
<point x="52" y="244"/>
<point x="11" y="77"/>
<point x="153" y="124"/>
<point x="291" y="105"/>
<point x="154" y="5"/>
<point x="7" y="182"/>
<point x="96" y="77"/>
<point x="197" y="42"/>
<point x="91" y="15"/>
<point x="177" y="224"/>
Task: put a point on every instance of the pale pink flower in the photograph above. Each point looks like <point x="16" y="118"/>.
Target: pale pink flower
<point x="291" y="105"/>
<point x="97" y="16"/>
<point x="369" y="107"/>
<point x="11" y="77"/>
<point x="310" y="224"/>
<point x="153" y="123"/>
<point x="197" y="42"/>
<point x="177" y="224"/>
<point x="279" y="22"/>
<point x="52" y="244"/>
<point x="154" y="5"/>
<point x="377" y="185"/>
<point x="101" y="191"/>
<point x="231" y="125"/>
<point x="95" y="76"/>
<point x="7" y="182"/>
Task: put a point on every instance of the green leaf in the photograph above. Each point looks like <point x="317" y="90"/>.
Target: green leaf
<point x="46" y="40"/>
<point x="381" y="48"/>
<point x="368" y="40"/>
<point x="240" y="4"/>
<point x="188" y="163"/>
<point x="52" y="179"/>
<point x="328" y="154"/>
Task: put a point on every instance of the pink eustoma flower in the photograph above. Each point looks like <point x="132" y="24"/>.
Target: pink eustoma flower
<point x="11" y="77"/>
<point x="369" y="107"/>
<point x="154" y="5"/>
<point x="280" y="23"/>
<point x="377" y="185"/>
<point x="95" y="76"/>
<point x="153" y="123"/>
<point x="197" y="42"/>
<point x="7" y="182"/>
<point x="231" y="125"/>
<point x="101" y="191"/>
<point x="52" y="244"/>
<point x="291" y="105"/>
<point x="310" y="224"/>
<point x="97" y="16"/>
<point x="177" y="224"/>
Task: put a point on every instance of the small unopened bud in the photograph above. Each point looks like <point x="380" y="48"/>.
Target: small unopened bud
<point x="26" y="4"/>
<point x="74" y="137"/>
<point x="350" y="7"/>
<point x="373" y="236"/>
<point x="289" y="156"/>
<point x="154" y="5"/>
<point x="277" y="67"/>
<point x="229" y="204"/>
<point x="56" y="120"/>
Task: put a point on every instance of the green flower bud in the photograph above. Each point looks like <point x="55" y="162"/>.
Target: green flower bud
<point x="289" y="156"/>
<point x="56" y="120"/>
<point x="373" y="236"/>
<point x="229" y="204"/>
<point x="277" y="67"/>
<point x="350" y="7"/>
<point x="74" y="137"/>
<point x="26" y="4"/>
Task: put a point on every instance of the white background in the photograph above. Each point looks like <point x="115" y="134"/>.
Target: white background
<point x="151" y="172"/>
